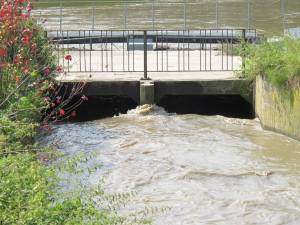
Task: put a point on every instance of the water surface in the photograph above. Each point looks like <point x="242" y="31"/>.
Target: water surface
<point x="264" y="15"/>
<point x="205" y="169"/>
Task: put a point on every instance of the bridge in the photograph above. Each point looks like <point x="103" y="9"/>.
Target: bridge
<point x="147" y="65"/>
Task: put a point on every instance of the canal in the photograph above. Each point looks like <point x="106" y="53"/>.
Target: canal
<point x="266" y="16"/>
<point x="202" y="169"/>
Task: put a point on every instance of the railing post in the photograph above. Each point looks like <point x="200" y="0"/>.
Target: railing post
<point x="244" y="40"/>
<point x="145" y="56"/>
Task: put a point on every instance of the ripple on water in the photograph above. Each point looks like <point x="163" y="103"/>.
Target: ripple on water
<point x="208" y="169"/>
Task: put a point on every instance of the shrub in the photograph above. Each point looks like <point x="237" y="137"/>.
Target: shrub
<point x="29" y="92"/>
<point x="26" y="197"/>
<point x="279" y="62"/>
<point x="28" y="70"/>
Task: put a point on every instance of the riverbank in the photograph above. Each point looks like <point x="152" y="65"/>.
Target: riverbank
<point x="278" y="109"/>
<point x="274" y="68"/>
<point x="30" y="102"/>
<point x="29" y="184"/>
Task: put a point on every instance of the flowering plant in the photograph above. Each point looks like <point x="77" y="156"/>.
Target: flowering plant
<point x="28" y="70"/>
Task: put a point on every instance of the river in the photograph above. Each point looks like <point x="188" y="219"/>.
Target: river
<point x="204" y="169"/>
<point x="264" y="15"/>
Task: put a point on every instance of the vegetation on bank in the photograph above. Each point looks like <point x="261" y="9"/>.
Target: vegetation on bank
<point x="30" y="99"/>
<point x="277" y="61"/>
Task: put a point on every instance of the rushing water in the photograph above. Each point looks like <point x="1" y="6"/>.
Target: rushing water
<point x="265" y="15"/>
<point x="205" y="169"/>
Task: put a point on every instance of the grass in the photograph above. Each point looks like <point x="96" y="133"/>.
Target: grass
<point x="278" y="62"/>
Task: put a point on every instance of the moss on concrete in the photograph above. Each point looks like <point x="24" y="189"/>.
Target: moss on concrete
<point x="278" y="108"/>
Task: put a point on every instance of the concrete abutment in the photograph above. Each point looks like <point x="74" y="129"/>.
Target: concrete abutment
<point x="278" y="108"/>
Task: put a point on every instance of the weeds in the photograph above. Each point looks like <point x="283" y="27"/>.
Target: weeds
<point x="279" y="62"/>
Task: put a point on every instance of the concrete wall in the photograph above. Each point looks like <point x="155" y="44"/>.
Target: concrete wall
<point x="278" y="109"/>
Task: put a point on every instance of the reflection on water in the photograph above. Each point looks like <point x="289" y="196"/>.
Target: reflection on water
<point x="207" y="169"/>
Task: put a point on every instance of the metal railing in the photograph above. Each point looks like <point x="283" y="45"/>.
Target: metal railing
<point x="148" y="51"/>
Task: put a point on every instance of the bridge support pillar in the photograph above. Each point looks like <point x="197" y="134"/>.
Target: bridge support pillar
<point x="146" y="92"/>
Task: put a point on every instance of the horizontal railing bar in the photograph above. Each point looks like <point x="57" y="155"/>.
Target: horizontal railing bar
<point x="141" y="30"/>
<point x="187" y="36"/>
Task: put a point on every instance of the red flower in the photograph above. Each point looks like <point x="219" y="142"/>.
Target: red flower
<point x="62" y="112"/>
<point x="45" y="126"/>
<point x="47" y="99"/>
<point x="24" y="16"/>
<point x="33" y="48"/>
<point x="73" y="114"/>
<point x="25" y="70"/>
<point x="3" y="52"/>
<point x="26" y="32"/>
<point x="58" y="100"/>
<point x="29" y="7"/>
<point x="26" y="40"/>
<point x="47" y="71"/>
<point x="26" y="36"/>
<point x="84" y="98"/>
<point x="17" y="59"/>
<point x="59" y="69"/>
<point x="68" y="57"/>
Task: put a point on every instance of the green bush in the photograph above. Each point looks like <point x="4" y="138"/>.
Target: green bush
<point x="278" y="61"/>
<point x="26" y="196"/>
<point x="29" y="190"/>
<point x="29" y="97"/>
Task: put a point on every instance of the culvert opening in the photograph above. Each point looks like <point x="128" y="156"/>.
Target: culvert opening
<point x="234" y="106"/>
<point x="98" y="107"/>
<point x="226" y="105"/>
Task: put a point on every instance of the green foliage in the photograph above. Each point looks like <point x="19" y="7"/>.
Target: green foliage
<point x="16" y="136"/>
<point x="277" y="61"/>
<point x="26" y="196"/>
<point x="31" y="179"/>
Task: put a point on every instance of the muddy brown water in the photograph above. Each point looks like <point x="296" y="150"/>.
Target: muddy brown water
<point x="266" y="15"/>
<point x="204" y="169"/>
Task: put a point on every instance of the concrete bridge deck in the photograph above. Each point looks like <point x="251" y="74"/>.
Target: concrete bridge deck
<point x="155" y="76"/>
